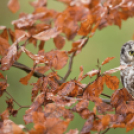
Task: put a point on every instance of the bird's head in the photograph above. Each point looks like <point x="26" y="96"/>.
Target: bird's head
<point x="127" y="53"/>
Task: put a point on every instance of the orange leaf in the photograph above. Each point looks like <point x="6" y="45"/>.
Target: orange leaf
<point x="107" y="60"/>
<point x="59" y="42"/>
<point x="13" y="5"/>
<point x="25" y="79"/>
<point x="112" y="82"/>
<point x="4" y="45"/>
<point x="47" y="34"/>
<point x="11" y="56"/>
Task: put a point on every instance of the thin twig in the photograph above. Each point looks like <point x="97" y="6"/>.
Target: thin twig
<point x="106" y="95"/>
<point x="20" y="106"/>
<point x="69" y="68"/>
<point x="106" y="130"/>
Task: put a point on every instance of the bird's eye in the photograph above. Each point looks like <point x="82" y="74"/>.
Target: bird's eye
<point x="131" y="53"/>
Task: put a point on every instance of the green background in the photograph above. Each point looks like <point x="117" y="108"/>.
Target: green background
<point x="105" y="43"/>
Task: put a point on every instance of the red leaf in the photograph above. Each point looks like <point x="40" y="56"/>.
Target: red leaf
<point x="107" y="60"/>
<point x="13" y="5"/>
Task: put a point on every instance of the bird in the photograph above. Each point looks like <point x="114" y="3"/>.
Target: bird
<point x="127" y="58"/>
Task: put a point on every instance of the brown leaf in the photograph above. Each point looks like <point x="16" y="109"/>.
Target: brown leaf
<point x="4" y="45"/>
<point x="81" y="73"/>
<point x="129" y="122"/>
<point x="47" y="34"/>
<point x="73" y="131"/>
<point x="37" y="58"/>
<point x="96" y="88"/>
<point x="67" y="89"/>
<point x="42" y="69"/>
<point x="13" y="5"/>
<point x="25" y="79"/>
<point x="78" y="45"/>
<point x="2" y="27"/>
<point x="105" y="121"/>
<point x="88" y="125"/>
<point x="5" y="115"/>
<point x="60" y="59"/>
<point x="53" y="110"/>
<point x="61" y="100"/>
<point x="3" y="86"/>
<point x="20" y="33"/>
<point x="59" y="41"/>
<point x="56" y="125"/>
<point x="112" y="82"/>
<point x="4" y="34"/>
<point x="107" y="60"/>
<point x="121" y="67"/>
<point x="11" y="56"/>
<point x="1" y="76"/>
<point x="41" y="45"/>
<point x="39" y="3"/>
<point x="10" y="127"/>
<point x="81" y="105"/>
<point x="120" y="96"/>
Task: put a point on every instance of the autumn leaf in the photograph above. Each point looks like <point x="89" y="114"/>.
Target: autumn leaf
<point x="59" y="41"/>
<point x="75" y="131"/>
<point x="13" y="5"/>
<point x="107" y="60"/>
<point x="111" y="71"/>
<point x="112" y="82"/>
<point x="11" y="56"/>
<point x="68" y="88"/>
<point x="25" y="79"/>
<point x="60" y="59"/>
<point x="4" y="45"/>
<point x="39" y="3"/>
<point x="46" y="35"/>
<point x="4" y="34"/>
<point x="95" y="88"/>
<point x="2" y="27"/>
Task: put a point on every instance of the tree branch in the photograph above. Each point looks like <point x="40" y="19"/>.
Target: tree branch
<point x="20" y="106"/>
<point x="106" y="130"/>
<point x="26" y="69"/>
<point x="69" y="68"/>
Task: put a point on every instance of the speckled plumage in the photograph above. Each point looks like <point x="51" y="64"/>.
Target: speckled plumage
<point x="127" y="75"/>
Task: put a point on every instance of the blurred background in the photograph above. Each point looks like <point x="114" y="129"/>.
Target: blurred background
<point x="105" y="43"/>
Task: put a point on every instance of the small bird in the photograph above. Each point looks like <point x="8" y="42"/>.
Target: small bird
<point x="127" y="58"/>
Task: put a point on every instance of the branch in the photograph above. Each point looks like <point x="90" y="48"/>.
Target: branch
<point x="26" y="69"/>
<point x="20" y="106"/>
<point x="106" y="130"/>
<point x="69" y="68"/>
<point x="71" y="62"/>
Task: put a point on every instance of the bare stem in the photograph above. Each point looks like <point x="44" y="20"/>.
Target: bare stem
<point x="69" y="68"/>
<point x="106" y="130"/>
<point x="20" y="106"/>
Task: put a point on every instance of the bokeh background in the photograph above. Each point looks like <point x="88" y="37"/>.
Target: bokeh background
<point x="105" y="43"/>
